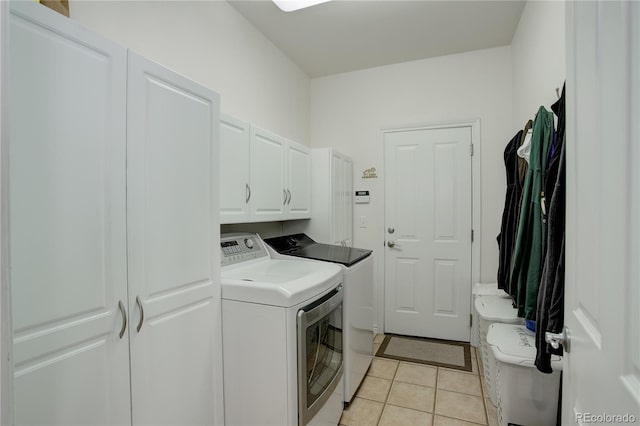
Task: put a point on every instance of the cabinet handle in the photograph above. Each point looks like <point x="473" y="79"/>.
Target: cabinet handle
<point x="289" y="192"/>
<point x="124" y="318"/>
<point x="248" y="192"/>
<point x="139" y="303"/>
<point x="284" y="193"/>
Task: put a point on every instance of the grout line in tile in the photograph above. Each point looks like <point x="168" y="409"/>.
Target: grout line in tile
<point x="384" y="404"/>
<point x="453" y="418"/>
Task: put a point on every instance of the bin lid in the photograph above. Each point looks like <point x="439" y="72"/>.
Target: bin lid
<point x="514" y="344"/>
<point x="497" y="309"/>
<point x="488" y="289"/>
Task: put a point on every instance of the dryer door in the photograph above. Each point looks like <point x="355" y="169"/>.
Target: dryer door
<point x="319" y="353"/>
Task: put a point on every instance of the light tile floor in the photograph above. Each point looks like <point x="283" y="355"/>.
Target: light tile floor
<point x="398" y="393"/>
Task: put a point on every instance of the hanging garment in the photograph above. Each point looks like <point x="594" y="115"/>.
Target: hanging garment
<point x="531" y="236"/>
<point x="524" y="151"/>
<point x="522" y="163"/>
<point x="507" y="237"/>
<point x="554" y="155"/>
<point x="550" y="309"/>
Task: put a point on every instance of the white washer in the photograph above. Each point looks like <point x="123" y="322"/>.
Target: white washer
<point x="282" y="337"/>
<point x="357" y="265"/>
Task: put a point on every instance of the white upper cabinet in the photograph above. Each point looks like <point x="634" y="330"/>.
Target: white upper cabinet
<point x="331" y="218"/>
<point x="268" y="188"/>
<point x="235" y="192"/>
<point x="113" y="232"/>
<point x="298" y="181"/>
<point x="265" y="177"/>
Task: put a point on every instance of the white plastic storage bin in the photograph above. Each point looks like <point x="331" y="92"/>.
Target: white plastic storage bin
<point x="492" y="309"/>
<point x="525" y="395"/>
<point x="481" y="289"/>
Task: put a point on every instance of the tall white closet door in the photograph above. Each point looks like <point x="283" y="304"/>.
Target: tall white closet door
<point x="173" y="239"/>
<point x="67" y="222"/>
<point x="337" y="218"/>
<point x="347" y="202"/>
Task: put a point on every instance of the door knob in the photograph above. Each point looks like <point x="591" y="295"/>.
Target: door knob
<point x="391" y="244"/>
<point x="391" y="230"/>
<point x="557" y="339"/>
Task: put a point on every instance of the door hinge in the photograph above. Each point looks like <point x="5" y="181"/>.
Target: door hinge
<point x="472" y="235"/>
<point x="471" y="149"/>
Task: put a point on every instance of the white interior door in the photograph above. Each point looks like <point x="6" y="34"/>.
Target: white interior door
<point x="67" y="245"/>
<point x="173" y="241"/>
<point x="602" y="369"/>
<point x="428" y="232"/>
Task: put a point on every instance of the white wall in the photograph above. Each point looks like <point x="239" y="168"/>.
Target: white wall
<point x="538" y="58"/>
<point x="348" y="111"/>
<point x="208" y="41"/>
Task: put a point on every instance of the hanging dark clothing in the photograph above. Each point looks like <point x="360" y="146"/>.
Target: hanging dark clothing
<point x="528" y="254"/>
<point x="550" y="315"/>
<point x="554" y="157"/>
<point x="550" y="312"/>
<point x="507" y="237"/>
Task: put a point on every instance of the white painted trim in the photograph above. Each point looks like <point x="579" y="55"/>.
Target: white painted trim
<point x="476" y="205"/>
<point x="6" y="373"/>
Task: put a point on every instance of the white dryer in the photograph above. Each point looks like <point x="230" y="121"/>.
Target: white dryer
<point x="282" y="337"/>
<point x="357" y="266"/>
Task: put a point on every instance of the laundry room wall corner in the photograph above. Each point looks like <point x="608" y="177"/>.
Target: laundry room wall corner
<point x="349" y="110"/>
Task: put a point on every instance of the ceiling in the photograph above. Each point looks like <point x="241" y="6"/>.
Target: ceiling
<point x="347" y="35"/>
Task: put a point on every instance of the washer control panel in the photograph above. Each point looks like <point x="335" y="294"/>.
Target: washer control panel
<point x="236" y="248"/>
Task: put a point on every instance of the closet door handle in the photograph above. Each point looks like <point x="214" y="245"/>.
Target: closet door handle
<point x="139" y="303"/>
<point x="124" y="318"/>
<point x="248" y="193"/>
<point x="289" y="192"/>
<point x="284" y="193"/>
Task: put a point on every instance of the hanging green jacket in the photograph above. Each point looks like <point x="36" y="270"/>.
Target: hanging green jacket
<point x="528" y="254"/>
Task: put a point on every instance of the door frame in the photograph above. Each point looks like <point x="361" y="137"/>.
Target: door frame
<point x="476" y="205"/>
<point x="6" y="336"/>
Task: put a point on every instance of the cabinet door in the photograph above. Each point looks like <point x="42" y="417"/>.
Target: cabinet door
<point x="235" y="192"/>
<point x="337" y="218"/>
<point x="268" y="194"/>
<point x="299" y="181"/>
<point x="67" y="240"/>
<point x="347" y="201"/>
<point x="173" y="239"/>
